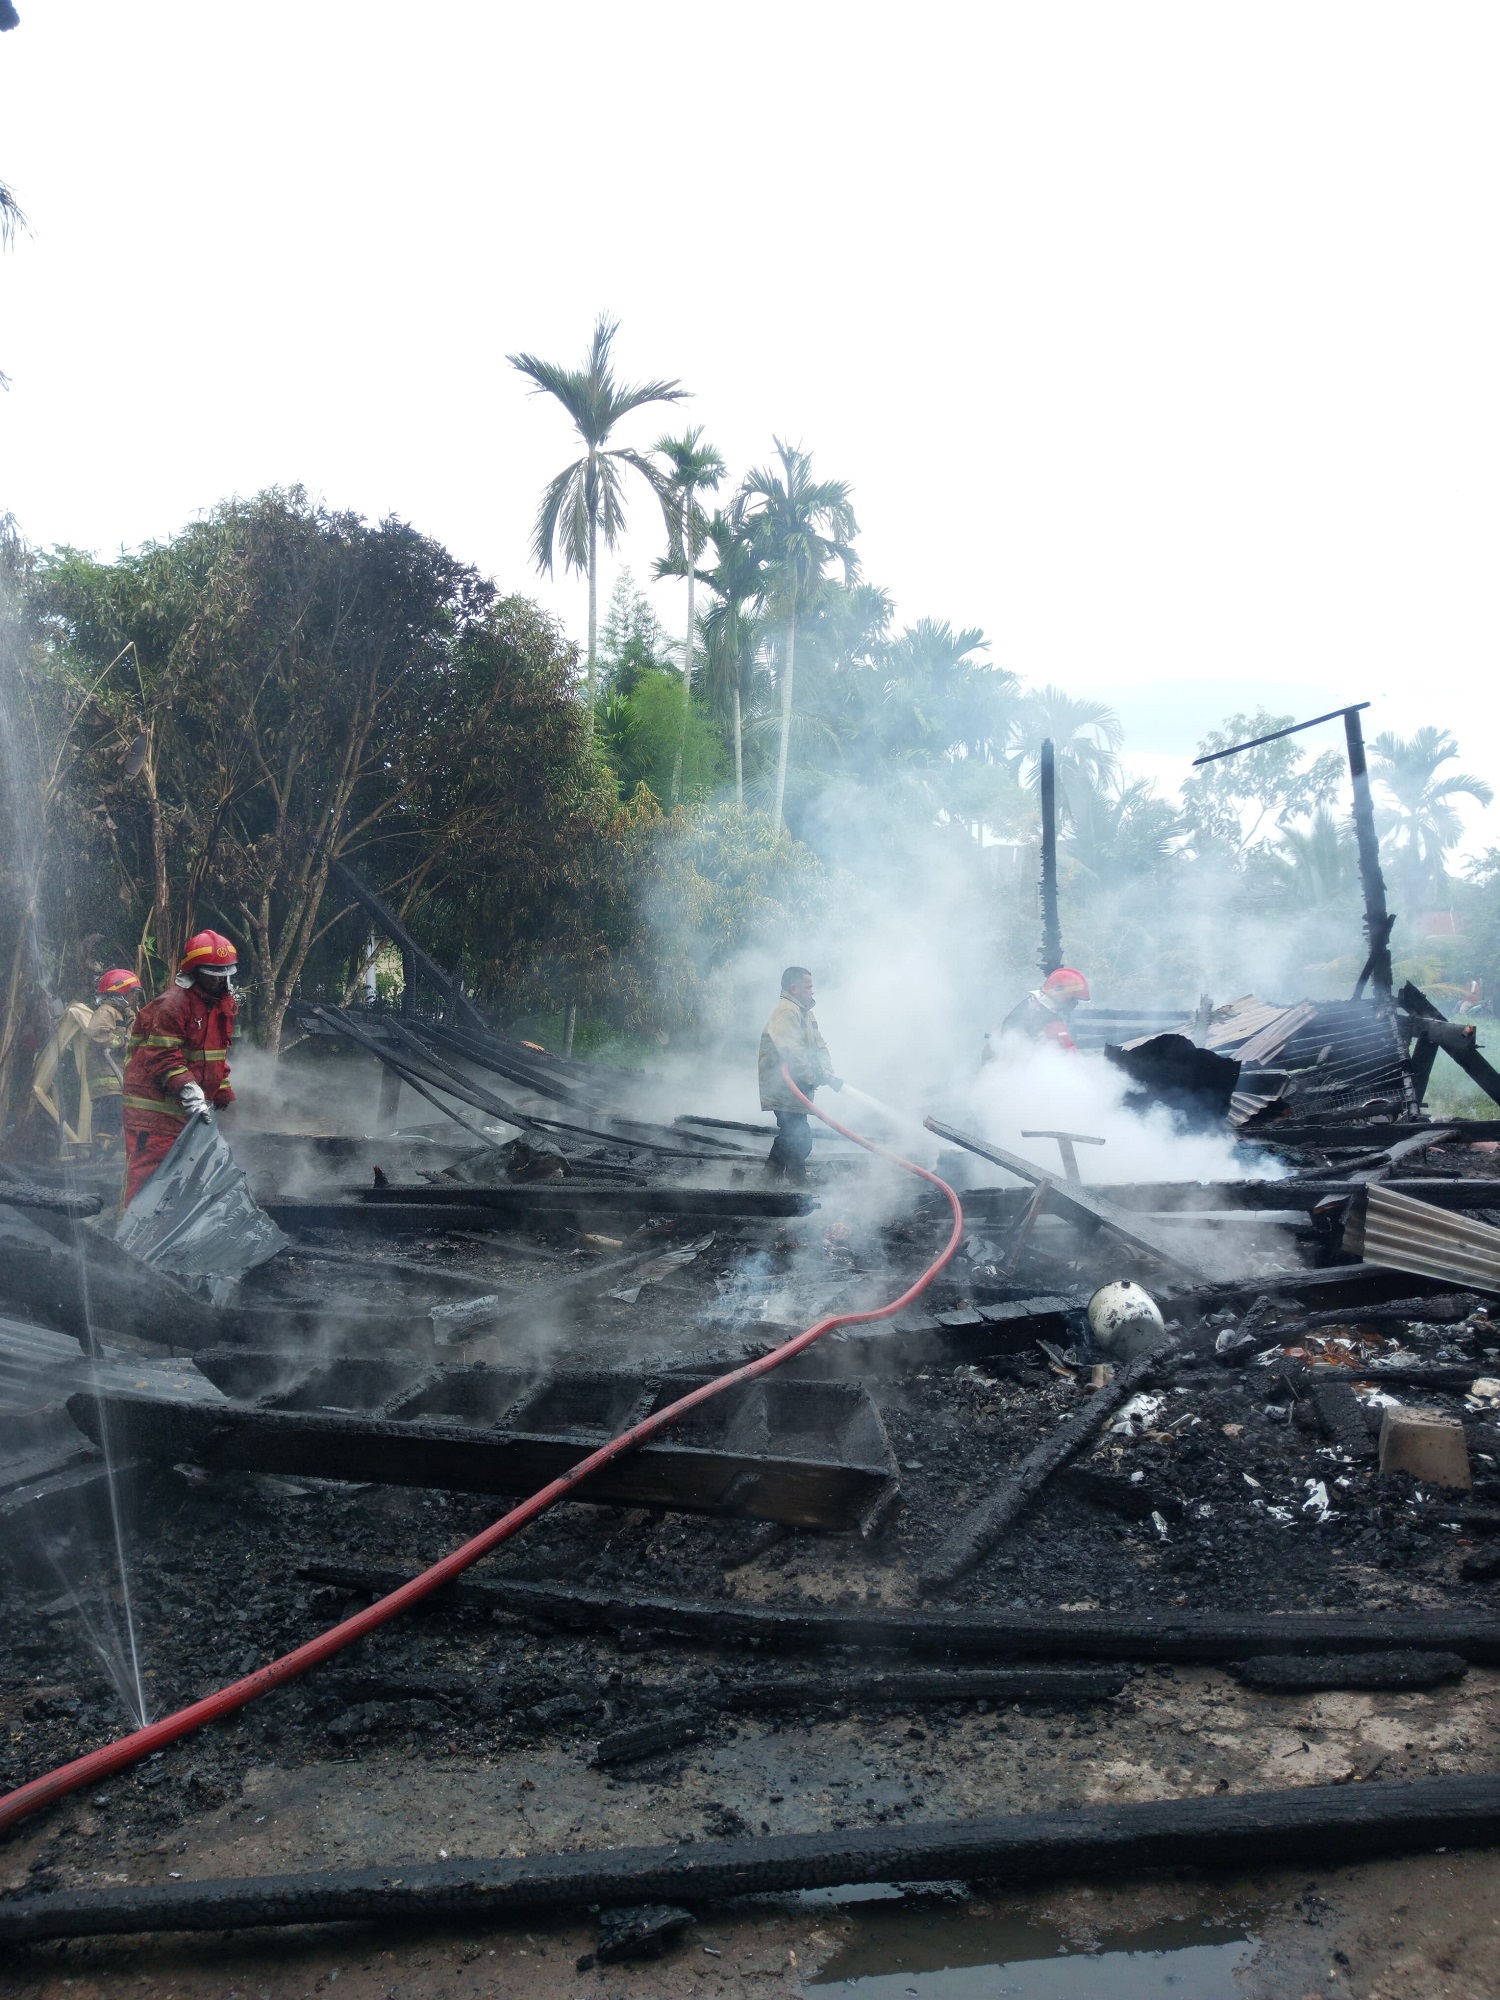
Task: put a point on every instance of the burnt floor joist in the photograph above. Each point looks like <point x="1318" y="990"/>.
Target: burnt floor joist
<point x="1179" y="1637"/>
<point x="561" y="1203"/>
<point x="1328" y="1824"/>
<point x="810" y="1455"/>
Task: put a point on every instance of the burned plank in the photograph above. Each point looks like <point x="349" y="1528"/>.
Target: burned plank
<point x="1071" y="1198"/>
<point x="808" y="1455"/>
<point x="546" y="1200"/>
<point x="983" y="1333"/>
<point x="971" y="1541"/>
<point x="1328" y="1824"/>
<point x="71" y="1277"/>
<point x="1343" y="1418"/>
<point x="1177" y="1636"/>
<point x="1399" y="1672"/>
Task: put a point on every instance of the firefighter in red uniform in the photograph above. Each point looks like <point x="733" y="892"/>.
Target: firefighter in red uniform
<point x="178" y="1063"/>
<point x="1043" y="1016"/>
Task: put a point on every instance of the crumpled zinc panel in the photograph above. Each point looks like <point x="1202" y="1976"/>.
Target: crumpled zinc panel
<point x="196" y="1218"/>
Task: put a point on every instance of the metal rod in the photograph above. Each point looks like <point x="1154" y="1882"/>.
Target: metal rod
<point x="1377" y="920"/>
<point x="1052" y="956"/>
<point x="1277" y="734"/>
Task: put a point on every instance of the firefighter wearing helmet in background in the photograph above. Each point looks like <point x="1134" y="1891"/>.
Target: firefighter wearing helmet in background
<point x="1045" y="1015"/>
<point x="86" y="1106"/>
<point x="120" y="994"/>
<point x="179" y="1057"/>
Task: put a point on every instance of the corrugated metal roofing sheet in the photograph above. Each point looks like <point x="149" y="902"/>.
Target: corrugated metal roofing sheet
<point x="1404" y="1234"/>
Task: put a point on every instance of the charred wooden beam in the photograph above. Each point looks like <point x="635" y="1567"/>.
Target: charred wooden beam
<point x="542" y="1201"/>
<point x="1083" y="1204"/>
<point x="975" y="1634"/>
<point x="522" y="1432"/>
<point x="413" y="955"/>
<point x="1329" y="1824"/>
<point x="1422" y="1019"/>
<point x="973" y="1538"/>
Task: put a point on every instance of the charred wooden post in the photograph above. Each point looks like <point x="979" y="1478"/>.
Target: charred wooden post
<point x="1378" y="922"/>
<point x="1052" y="956"/>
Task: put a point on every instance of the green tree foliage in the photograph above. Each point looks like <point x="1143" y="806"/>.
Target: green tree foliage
<point x="633" y="640"/>
<point x="722" y="880"/>
<point x="1241" y="802"/>
<point x="656" y="735"/>
<point x="279" y="687"/>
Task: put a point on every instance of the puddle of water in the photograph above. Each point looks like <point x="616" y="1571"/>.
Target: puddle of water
<point x="901" y="1953"/>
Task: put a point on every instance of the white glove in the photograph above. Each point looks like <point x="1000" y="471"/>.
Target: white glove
<point x="192" y="1100"/>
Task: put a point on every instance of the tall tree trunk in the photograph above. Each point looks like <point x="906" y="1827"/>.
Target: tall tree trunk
<point x="161" y="903"/>
<point x="739" y="752"/>
<point x="593" y="611"/>
<point x="788" y="666"/>
<point x="687" y="691"/>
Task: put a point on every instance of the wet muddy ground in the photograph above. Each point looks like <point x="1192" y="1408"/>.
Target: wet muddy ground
<point x="465" y="1730"/>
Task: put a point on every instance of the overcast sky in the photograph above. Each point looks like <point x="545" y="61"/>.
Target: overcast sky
<point x="1158" y="340"/>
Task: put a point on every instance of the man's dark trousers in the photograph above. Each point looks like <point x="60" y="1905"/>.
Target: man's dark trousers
<point x="792" y="1145"/>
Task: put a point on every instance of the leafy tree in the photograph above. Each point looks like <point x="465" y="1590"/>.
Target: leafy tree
<point x="633" y="640"/>
<point x="587" y="497"/>
<point x="799" y="526"/>
<point x="1244" y="801"/>
<point x="289" y="673"/>
<point x="1420" y="821"/>
<point x="720" y="880"/>
<point x="655" y="735"/>
<point x="692" y="467"/>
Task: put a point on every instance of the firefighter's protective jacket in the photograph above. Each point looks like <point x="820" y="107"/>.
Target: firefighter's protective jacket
<point x="105" y="1050"/>
<point x="184" y="1035"/>
<point x="791" y="1036"/>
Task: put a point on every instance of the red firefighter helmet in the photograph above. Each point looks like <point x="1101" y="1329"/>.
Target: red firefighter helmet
<point x="1065" y="984"/>
<point x="209" y="951"/>
<point x="118" y="980"/>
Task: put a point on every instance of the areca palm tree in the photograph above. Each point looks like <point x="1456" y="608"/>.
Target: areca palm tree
<point x="731" y="630"/>
<point x="1316" y="863"/>
<point x="798" y="526"/>
<point x="1085" y="736"/>
<point x="692" y="467"/>
<point x="1421" y="821"/>
<point x="586" y="496"/>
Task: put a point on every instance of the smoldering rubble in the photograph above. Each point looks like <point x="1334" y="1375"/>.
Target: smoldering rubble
<point x="1212" y="1545"/>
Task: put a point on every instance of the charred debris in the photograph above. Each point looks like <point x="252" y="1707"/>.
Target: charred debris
<point x="1131" y="1428"/>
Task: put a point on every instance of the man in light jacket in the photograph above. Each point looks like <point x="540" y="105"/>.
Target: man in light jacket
<point x="791" y="1037"/>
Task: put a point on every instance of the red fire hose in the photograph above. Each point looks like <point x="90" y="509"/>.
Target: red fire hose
<point x="100" y="1764"/>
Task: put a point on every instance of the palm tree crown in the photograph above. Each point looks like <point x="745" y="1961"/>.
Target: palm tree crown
<point x="587" y="496"/>
<point x="799" y="526"/>
<point x="1085" y="737"/>
<point x="731" y="630"/>
<point x="692" y="467"/>
<point x="1421" y="822"/>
